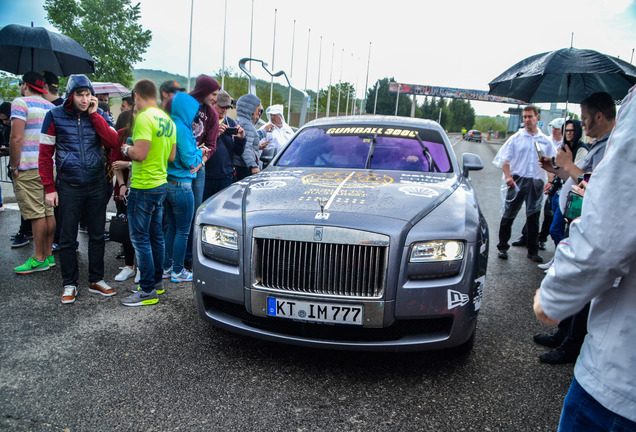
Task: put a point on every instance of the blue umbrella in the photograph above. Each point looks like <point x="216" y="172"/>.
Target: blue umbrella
<point x="565" y="75"/>
<point x="25" y="49"/>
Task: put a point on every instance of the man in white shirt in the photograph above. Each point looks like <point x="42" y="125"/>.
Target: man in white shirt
<point x="525" y="180"/>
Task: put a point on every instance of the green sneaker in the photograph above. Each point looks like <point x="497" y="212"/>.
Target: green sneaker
<point x="32" y="265"/>
<point x="158" y="287"/>
<point x="51" y="261"/>
<point x="141" y="298"/>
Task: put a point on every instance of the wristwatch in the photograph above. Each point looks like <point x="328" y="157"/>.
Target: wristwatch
<point x="125" y="151"/>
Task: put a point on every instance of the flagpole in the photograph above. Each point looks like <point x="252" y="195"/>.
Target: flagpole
<point x="291" y="73"/>
<point x="224" y="34"/>
<point x="251" y="34"/>
<point x="307" y="65"/>
<point x="271" y="87"/>
<point x="318" y="85"/>
<point x="340" y="83"/>
<point x="333" y="49"/>
<point x="190" y="47"/>
<point x="366" y="82"/>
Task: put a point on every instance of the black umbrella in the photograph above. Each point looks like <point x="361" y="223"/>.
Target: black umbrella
<point x="565" y="75"/>
<point x="24" y="49"/>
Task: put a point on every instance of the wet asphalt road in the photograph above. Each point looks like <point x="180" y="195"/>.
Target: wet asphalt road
<point x="96" y="366"/>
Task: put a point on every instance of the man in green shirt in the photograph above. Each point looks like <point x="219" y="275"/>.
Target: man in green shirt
<point x="154" y="138"/>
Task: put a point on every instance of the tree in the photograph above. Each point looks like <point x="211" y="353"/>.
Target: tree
<point x="9" y="88"/>
<point x="108" y="30"/>
<point x="462" y="114"/>
<point x="387" y="100"/>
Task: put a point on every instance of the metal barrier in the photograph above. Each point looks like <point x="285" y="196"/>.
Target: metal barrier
<point x="4" y="175"/>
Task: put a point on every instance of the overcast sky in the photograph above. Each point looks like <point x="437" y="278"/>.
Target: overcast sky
<point x="448" y="43"/>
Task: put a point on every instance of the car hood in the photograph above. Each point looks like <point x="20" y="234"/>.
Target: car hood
<point x="321" y="194"/>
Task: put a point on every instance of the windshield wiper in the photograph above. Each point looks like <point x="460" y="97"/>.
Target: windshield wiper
<point x="367" y="165"/>
<point x="431" y="162"/>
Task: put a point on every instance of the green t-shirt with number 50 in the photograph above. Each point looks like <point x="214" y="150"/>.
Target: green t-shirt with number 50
<point x="155" y="126"/>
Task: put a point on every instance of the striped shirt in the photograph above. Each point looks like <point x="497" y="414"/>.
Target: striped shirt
<point x="30" y="109"/>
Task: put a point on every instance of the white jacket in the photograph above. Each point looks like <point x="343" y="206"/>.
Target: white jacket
<point x="598" y="263"/>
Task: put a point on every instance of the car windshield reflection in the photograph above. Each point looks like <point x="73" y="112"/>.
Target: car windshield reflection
<point x="349" y="148"/>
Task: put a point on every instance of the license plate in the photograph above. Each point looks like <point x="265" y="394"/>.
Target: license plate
<point x="315" y="311"/>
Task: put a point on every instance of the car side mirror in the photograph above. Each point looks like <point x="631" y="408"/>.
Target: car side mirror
<point x="268" y="155"/>
<point x="471" y="162"/>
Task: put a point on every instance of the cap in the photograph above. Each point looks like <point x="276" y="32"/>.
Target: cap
<point x="557" y="123"/>
<point x="171" y="87"/>
<point x="35" y="81"/>
<point x="224" y="100"/>
<point x="51" y="79"/>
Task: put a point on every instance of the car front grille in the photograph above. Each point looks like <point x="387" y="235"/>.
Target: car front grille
<point x="346" y="270"/>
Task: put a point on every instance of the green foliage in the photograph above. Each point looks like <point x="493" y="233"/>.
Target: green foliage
<point x="108" y="30"/>
<point x="9" y="88"/>
<point x="461" y="114"/>
<point x="485" y="123"/>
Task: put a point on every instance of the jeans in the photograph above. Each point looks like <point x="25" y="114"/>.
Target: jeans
<point x="214" y="185"/>
<point x="145" y="211"/>
<point x="179" y="206"/>
<point x="581" y="412"/>
<point x="198" y="184"/>
<point x="557" y="229"/>
<point x="75" y="202"/>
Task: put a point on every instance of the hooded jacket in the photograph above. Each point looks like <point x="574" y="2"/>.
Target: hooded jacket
<point x="597" y="263"/>
<point x="280" y="135"/>
<point x="245" y="107"/>
<point x="206" y="124"/>
<point x="77" y="140"/>
<point x="184" y="109"/>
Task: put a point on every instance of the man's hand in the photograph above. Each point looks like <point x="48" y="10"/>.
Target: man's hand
<point x="15" y="174"/>
<point x="255" y="170"/>
<point x="92" y="106"/>
<point x="510" y="182"/>
<point x="261" y="146"/>
<point x="51" y="199"/>
<point x="580" y="188"/>
<point x="545" y="162"/>
<point x="222" y="128"/>
<point x="538" y="311"/>
<point x="564" y="157"/>
<point x="546" y="188"/>
<point x="241" y="132"/>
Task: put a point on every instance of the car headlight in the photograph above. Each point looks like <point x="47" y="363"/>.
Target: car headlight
<point x="437" y="250"/>
<point x="218" y="236"/>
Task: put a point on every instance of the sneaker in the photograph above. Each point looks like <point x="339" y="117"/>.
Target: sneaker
<point x="503" y="254"/>
<point x="32" y="265"/>
<point x="559" y="355"/>
<point x="13" y="236"/>
<point x="51" y="261"/>
<point x="141" y="298"/>
<point x="183" y="276"/>
<point x="550" y="340"/>
<point x="521" y="241"/>
<point x="19" y="241"/>
<point x="535" y="257"/>
<point x="546" y="265"/>
<point x="54" y="247"/>
<point x="69" y="294"/>
<point x="167" y="272"/>
<point x="83" y="229"/>
<point x="102" y="288"/>
<point x="1" y="207"/>
<point x="124" y="274"/>
<point x="160" y="288"/>
<point x="541" y="245"/>
<point x="138" y="276"/>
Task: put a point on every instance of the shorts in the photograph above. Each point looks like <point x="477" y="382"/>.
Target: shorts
<point x="29" y="192"/>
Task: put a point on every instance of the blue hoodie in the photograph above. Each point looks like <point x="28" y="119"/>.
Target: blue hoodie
<point x="184" y="108"/>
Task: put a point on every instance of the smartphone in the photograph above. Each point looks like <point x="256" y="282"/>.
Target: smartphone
<point x="538" y="149"/>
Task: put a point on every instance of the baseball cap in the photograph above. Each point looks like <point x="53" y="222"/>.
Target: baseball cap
<point x="223" y="99"/>
<point x="35" y="81"/>
<point x="51" y="79"/>
<point x="557" y="123"/>
<point x="171" y="87"/>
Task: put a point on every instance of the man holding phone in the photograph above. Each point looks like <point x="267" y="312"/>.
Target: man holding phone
<point x="525" y="180"/>
<point x="76" y="133"/>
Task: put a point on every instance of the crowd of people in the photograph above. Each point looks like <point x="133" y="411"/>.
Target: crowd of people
<point x="166" y="153"/>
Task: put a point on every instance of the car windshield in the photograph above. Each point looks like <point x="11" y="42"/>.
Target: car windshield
<point x="360" y="147"/>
